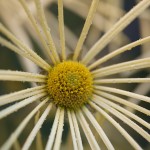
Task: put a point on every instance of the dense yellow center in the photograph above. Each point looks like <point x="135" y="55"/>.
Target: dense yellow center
<point x="70" y="84"/>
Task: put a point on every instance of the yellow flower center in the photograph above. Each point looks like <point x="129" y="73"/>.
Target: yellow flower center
<point x="70" y="84"/>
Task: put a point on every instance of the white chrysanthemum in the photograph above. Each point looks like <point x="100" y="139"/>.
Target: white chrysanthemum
<point x="74" y="85"/>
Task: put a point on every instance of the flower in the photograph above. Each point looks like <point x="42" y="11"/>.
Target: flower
<point x="73" y="84"/>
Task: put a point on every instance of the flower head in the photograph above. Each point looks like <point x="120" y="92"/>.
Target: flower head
<point x="70" y="85"/>
<point x="73" y="85"/>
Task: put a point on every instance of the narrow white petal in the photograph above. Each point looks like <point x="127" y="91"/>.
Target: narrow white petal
<point x="22" y="53"/>
<point x="38" y="138"/>
<point x="141" y="89"/>
<point x="119" y="26"/>
<point x="51" y="137"/>
<point x="126" y="112"/>
<point x="36" y="128"/>
<point x="122" y="80"/>
<point x="77" y="132"/>
<point x="61" y="28"/>
<point x="58" y="138"/>
<point x="119" y="51"/>
<point x="123" y="118"/>
<point x="122" y="67"/>
<point x="71" y="38"/>
<point x="99" y="18"/>
<point x="117" y="126"/>
<point x="87" y="131"/>
<point x="13" y="137"/>
<point x="24" y="48"/>
<point x="124" y="102"/>
<point x="46" y="29"/>
<point x="13" y="97"/>
<point x="123" y="92"/>
<point x="75" y="146"/>
<point x="5" y="112"/>
<point x="4" y="72"/>
<point x="86" y="28"/>
<point x="37" y="29"/>
<point x="21" y="76"/>
<point x="98" y="129"/>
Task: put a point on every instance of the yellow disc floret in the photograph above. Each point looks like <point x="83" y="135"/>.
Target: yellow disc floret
<point x="70" y="84"/>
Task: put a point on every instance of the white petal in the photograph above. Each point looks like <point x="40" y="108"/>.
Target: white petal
<point x="13" y="137"/>
<point x="36" y="128"/>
